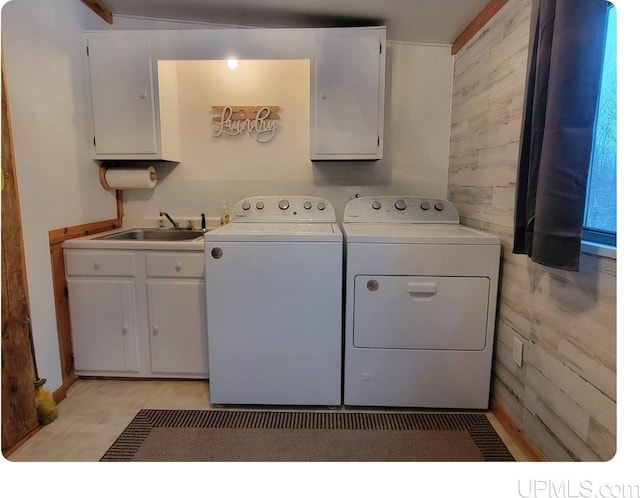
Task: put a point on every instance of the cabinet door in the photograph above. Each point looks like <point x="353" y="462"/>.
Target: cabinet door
<point x="103" y="325"/>
<point x="348" y="110"/>
<point x="122" y="95"/>
<point x="177" y="319"/>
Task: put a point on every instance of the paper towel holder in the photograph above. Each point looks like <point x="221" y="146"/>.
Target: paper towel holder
<point x="102" y="174"/>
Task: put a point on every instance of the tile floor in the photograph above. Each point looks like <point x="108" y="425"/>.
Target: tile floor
<point x="95" y="412"/>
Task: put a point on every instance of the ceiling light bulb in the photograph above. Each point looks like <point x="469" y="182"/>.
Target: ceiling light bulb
<point x="232" y="63"/>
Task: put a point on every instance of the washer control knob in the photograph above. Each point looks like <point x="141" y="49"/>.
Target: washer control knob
<point x="283" y="204"/>
<point x="376" y="205"/>
<point x="246" y="205"/>
<point x="439" y="206"/>
<point x="260" y="205"/>
<point x="307" y="204"/>
<point x="424" y="206"/>
<point x="321" y="205"/>
<point x="400" y="205"/>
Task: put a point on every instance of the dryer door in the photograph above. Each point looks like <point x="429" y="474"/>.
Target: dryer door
<point x="420" y="312"/>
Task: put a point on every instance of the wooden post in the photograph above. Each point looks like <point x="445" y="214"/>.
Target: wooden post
<point x="19" y="416"/>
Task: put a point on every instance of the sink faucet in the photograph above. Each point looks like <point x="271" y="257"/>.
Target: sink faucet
<point x="174" y="223"/>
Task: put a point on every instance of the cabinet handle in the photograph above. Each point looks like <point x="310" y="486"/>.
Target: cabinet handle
<point x="143" y="96"/>
<point x="125" y="329"/>
<point x="178" y="266"/>
<point x="323" y="96"/>
<point x="156" y="329"/>
<point x="97" y="265"/>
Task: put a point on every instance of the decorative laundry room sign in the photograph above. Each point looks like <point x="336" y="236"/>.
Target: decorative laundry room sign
<point x="233" y="120"/>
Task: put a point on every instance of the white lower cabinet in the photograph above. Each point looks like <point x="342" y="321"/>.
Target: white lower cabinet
<point x="103" y="321"/>
<point x="177" y="318"/>
<point x="177" y="314"/>
<point x="137" y="313"/>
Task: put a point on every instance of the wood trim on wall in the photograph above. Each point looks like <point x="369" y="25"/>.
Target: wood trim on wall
<point x="490" y="10"/>
<point x="523" y="442"/>
<point x="119" y="206"/>
<point x="99" y="9"/>
<point x="60" y="295"/>
<point x="59" y="235"/>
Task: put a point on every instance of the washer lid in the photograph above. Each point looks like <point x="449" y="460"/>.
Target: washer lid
<point x="276" y="232"/>
<point x="418" y="233"/>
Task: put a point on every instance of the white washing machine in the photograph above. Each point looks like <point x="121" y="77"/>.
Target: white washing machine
<point x="274" y="303"/>
<point x="420" y="305"/>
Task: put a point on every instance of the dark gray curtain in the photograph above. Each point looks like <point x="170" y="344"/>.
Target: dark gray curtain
<point x="566" y="50"/>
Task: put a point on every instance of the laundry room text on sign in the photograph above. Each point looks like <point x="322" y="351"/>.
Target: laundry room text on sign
<point x="233" y="120"/>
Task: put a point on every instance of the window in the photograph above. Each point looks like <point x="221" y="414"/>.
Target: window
<point x="600" y="212"/>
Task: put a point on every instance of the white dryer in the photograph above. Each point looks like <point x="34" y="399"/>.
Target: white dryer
<point x="274" y="303"/>
<point x="420" y="305"/>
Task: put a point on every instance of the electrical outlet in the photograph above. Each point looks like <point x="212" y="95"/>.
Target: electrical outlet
<point x="517" y="351"/>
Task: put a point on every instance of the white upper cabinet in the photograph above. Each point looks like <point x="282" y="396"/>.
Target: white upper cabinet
<point x="348" y="105"/>
<point x="124" y="99"/>
<point x="134" y="86"/>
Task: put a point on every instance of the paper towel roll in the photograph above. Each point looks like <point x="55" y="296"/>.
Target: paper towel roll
<point x="126" y="178"/>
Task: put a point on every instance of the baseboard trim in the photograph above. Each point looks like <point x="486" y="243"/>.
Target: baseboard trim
<point x="523" y="442"/>
<point x="10" y="451"/>
<point x="59" y="394"/>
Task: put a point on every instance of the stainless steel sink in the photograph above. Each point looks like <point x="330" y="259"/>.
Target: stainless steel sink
<point x="157" y="234"/>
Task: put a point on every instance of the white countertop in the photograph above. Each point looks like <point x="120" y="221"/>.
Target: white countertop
<point x="95" y="242"/>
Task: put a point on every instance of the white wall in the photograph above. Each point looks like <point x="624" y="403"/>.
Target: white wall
<point x="58" y="186"/>
<point x="57" y="182"/>
<point x="212" y="170"/>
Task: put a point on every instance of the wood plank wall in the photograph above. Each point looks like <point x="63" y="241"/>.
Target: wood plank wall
<point x="564" y="397"/>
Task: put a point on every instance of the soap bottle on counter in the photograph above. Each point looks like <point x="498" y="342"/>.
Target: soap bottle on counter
<point x="224" y="219"/>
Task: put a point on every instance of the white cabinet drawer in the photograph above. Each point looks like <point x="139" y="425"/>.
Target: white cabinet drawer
<point x="99" y="263"/>
<point x="176" y="264"/>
